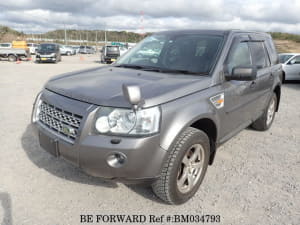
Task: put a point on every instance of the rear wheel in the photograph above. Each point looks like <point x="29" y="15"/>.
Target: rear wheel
<point x="265" y="121"/>
<point x="68" y="53"/>
<point x="12" y="58"/>
<point x="185" y="168"/>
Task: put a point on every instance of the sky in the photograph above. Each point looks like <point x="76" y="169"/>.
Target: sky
<point x="38" y="16"/>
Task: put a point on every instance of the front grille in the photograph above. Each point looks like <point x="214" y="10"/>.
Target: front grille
<point x="112" y="55"/>
<point x="62" y="122"/>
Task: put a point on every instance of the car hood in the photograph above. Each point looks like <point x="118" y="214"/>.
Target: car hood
<point x="103" y="86"/>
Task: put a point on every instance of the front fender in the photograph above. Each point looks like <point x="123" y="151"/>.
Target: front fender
<point x="180" y="114"/>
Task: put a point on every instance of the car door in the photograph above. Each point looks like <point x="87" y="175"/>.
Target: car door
<point x="237" y="94"/>
<point x="292" y="68"/>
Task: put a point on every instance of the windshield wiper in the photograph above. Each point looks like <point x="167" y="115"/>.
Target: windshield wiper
<point x="129" y="66"/>
<point x="138" y="67"/>
<point x="183" y="72"/>
<point x="160" y="70"/>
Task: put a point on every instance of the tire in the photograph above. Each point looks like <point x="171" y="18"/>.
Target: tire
<point x="12" y="58"/>
<point x="265" y="121"/>
<point x="174" y="185"/>
<point x="283" y="78"/>
<point x="68" y="53"/>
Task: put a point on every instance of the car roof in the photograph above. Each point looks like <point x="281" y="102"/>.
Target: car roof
<point x="211" y="32"/>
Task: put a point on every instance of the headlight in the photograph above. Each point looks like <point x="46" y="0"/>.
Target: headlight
<point x="52" y="54"/>
<point x="127" y="122"/>
<point x="36" y="108"/>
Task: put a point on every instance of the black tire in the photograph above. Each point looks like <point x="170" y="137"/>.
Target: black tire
<point x="12" y="58"/>
<point x="283" y="78"/>
<point x="262" y="123"/>
<point x="166" y="186"/>
<point x="68" y="53"/>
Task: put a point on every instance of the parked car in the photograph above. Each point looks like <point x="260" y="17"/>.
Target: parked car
<point x="32" y="47"/>
<point x="14" y="54"/>
<point x="66" y="50"/>
<point x="76" y="49"/>
<point x="5" y="45"/>
<point x="48" y="52"/>
<point x="86" y="50"/>
<point x="14" y="51"/>
<point x="161" y="119"/>
<point x="290" y="65"/>
<point x="110" y="53"/>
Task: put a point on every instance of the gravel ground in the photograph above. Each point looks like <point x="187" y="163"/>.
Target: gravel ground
<point x="254" y="180"/>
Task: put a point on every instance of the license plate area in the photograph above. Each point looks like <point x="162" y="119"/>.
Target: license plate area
<point x="48" y="144"/>
<point x="43" y="58"/>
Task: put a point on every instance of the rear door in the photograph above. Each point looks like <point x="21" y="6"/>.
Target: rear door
<point x="261" y="87"/>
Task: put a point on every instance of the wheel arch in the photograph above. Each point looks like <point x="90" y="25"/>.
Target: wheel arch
<point x="209" y="127"/>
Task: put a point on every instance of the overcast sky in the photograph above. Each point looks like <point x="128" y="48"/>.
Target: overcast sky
<point x="35" y="16"/>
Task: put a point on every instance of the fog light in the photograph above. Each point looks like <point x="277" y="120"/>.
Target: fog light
<point x="116" y="160"/>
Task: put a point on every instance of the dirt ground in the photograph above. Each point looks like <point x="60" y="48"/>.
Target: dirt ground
<point x="254" y="180"/>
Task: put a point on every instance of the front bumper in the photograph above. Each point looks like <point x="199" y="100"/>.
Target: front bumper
<point x="143" y="156"/>
<point x="45" y="58"/>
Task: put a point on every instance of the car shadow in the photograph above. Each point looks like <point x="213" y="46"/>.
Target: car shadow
<point x="5" y="202"/>
<point x="292" y="84"/>
<point x="57" y="166"/>
<point x="145" y="190"/>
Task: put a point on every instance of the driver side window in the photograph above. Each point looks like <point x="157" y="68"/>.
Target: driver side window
<point x="240" y="56"/>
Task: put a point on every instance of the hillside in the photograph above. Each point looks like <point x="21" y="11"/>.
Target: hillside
<point x="8" y="35"/>
<point x="93" y="35"/>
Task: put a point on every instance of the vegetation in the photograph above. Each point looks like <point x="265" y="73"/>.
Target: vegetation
<point x="285" y="36"/>
<point x="91" y="35"/>
<point x="8" y="35"/>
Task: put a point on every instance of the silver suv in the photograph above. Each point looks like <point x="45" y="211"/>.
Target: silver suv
<point x="161" y="117"/>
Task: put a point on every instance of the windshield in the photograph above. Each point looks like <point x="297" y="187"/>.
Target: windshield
<point x="112" y="48"/>
<point x="46" y="47"/>
<point x="284" y="58"/>
<point x="194" y="53"/>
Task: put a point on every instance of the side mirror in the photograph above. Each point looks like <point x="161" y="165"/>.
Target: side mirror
<point x="242" y="74"/>
<point x="133" y="94"/>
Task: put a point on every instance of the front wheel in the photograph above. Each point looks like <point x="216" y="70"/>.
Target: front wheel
<point x="12" y="58"/>
<point x="185" y="168"/>
<point x="265" y="121"/>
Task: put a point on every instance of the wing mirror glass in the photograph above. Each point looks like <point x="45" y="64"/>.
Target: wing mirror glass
<point x="242" y="74"/>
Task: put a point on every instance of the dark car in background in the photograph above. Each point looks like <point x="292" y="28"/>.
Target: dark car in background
<point x="48" y="52"/>
<point x="110" y="53"/>
<point x="83" y="49"/>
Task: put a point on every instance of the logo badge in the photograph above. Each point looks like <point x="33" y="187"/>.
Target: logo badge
<point x="70" y="131"/>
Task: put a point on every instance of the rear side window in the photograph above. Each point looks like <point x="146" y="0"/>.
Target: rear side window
<point x="259" y="56"/>
<point x="239" y="56"/>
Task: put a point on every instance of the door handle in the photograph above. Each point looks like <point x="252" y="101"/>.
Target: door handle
<point x="253" y="84"/>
